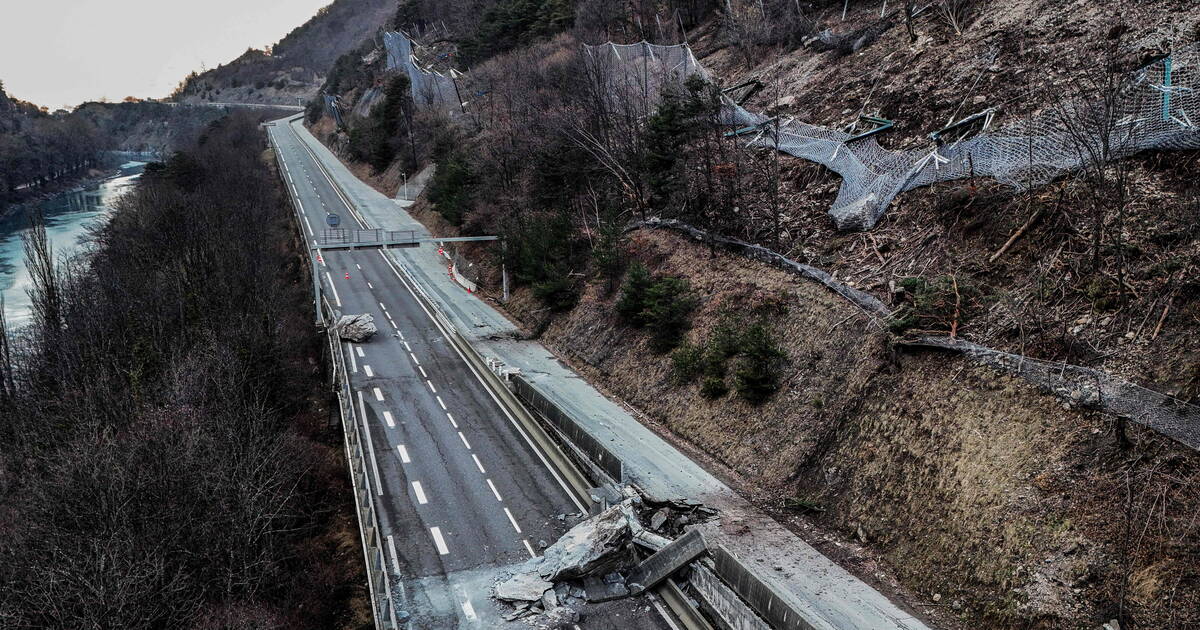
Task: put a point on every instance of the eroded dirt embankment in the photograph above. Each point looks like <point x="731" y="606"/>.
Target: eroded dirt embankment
<point x="987" y="498"/>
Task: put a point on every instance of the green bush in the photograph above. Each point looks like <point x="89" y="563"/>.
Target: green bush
<point x="633" y="294"/>
<point x="452" y="188"/>
<point x="540" y="251"/>
<point x="760" y="366"/>
<point x="661" y="305"/>
<point x="687" y="362"/>
<point x="558" y="293"/>
<point x="669" y="304"/>
<point x="713" y="387"/>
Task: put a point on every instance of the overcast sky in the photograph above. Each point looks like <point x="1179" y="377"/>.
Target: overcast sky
<point x="60" y="53"/>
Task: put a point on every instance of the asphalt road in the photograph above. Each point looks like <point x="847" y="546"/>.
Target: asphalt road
<point x="462" y="493"/>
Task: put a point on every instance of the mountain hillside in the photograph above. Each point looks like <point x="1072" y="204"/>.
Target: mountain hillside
<point x="295" y="67"/>
<point x="991" y="502"/>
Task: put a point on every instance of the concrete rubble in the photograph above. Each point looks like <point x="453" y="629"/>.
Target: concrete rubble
<point x="594" y="561"/>
<point x="356" y="328"/>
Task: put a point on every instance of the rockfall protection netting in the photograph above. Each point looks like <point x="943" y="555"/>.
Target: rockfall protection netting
<point x="334" y="108"/>
<point x="1154" y="107"/>
<point x="429" y="87"/>
<point x="1080" y="386"/>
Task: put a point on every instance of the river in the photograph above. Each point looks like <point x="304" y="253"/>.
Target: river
<point x="70" y="218"/>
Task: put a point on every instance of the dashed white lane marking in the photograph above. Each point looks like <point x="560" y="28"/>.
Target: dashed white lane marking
<point x="469" y="610"/>
<point x="511" y="419"/>
<point x="378" y="394"/>
<point x="431" y="387"/>
<point x="423" y="374"/>
<point x="370" y="286"/>
<point x="439" y="399"/>
<point x="494" y="491"/>
<point x="403" y="454"/>
<point x="478" y="464"/>
<point x="392" y="552"/>
<point x="393" y="324"/>
<point x="362" y="407"/>
<point x="387" y="417"/>
<point x="367" y="369"/>
<point x="353" y="363"/>
<point x="464" y="440"/>
<point x="335" y="293"/>
<point x="409" y="348"/>
<point x="382" y="306"/>
<point x="414" y="357"/>
<point x="528" y="547"/>
<point x="439" y="541"/>
<point x="452" y="422"/>
<point x="512" y="520"/>
<point x="359" y="266"/>
<point x="420" y="492"/>
<point x="358" y="349"/>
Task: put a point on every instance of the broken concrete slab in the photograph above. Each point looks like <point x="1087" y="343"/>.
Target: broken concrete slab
<point x="666" y="561"/>
<point x="598" y="590"/>
<point x="528" y="587"/>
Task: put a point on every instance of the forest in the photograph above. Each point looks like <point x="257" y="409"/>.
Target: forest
<point x="169" y="460"/>
<point x="37" y="147"/>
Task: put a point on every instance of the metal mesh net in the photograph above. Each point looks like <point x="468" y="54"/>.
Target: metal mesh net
<point x="1154" y="107"/>
<point x="429" y="87"/>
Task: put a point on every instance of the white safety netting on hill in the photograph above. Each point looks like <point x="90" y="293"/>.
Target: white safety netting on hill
<point x="429" y="87"/>
<point x="334" y="109"/>
<point x="1154" y="107"/>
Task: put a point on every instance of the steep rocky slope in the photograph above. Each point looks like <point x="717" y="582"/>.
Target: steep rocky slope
<point x="992" y="501"/>
<point x="295" y="67"/>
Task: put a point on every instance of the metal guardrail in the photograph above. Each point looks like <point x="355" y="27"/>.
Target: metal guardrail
<point x="383" y="609"/>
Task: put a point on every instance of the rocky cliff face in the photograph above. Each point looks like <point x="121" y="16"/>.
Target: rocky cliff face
<point x="295" y="67"/>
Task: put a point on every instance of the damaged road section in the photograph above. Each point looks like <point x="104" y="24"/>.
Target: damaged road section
<point x="598" y="560"/>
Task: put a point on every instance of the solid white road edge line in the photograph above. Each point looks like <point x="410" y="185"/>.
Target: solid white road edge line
<point x="353" y="363"/>
<point x="362" y="406"/>
<point x="335" y="293"/>
<point x="392" y="553"/>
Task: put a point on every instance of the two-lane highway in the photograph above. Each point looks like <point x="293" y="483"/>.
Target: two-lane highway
<point x="460" y="490"/>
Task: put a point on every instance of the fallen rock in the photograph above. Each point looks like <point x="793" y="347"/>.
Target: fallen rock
<point x="560" y="618"/>
<point x="356" y="328"/>
<point x="596" y="546"/>
<point x="527" y="587"/>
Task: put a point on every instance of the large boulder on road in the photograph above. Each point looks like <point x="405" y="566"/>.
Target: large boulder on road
<point x="356" y="328"/>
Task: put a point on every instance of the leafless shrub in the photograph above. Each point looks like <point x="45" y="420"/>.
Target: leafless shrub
<point x="955" y="13"/>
